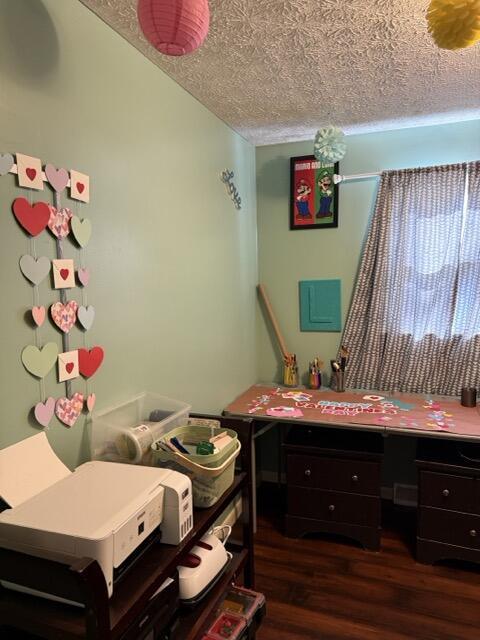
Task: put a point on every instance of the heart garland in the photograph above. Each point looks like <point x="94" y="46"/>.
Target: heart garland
<point x="58" y="178"/>
<point x="89" y="361"/>
<point x="43" y="411"/>
<point x="86" y="316"/>
<point x="59" y="221"/>
<point x="64" y="315"/>
<point x="33" y="269"/>
<point x="83" y="276"/>
<point x="6" y="163"/>
<point x="68" y="410"/>
<point x="33" y="218"/>
<point x="92" y="398"/>
<point x="38" y="315"/>
<point x="37" y="361"/>
<point x="82" y="230"/>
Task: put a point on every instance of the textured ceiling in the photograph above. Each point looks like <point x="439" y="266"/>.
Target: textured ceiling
<point x="277" y="70"/>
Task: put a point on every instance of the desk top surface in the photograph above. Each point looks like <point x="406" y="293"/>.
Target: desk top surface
<point x="414" y="414"/>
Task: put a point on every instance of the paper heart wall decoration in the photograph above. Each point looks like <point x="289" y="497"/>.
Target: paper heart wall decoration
<point x="38" y="315"/>
<point x="64" y="315"/>
<point x="89" y="361"/>
<point x="58" y="178"/>
<point x="91" y="402"/>
<point x="82" y="230"/>
<point x="43" y="411"/>
<point x="83" y="276"/>
<point x="37" y="361"/>
<point x="6" y="163"/>
<point x="86" y="316"/>
<point x="33" y="218"/>
<point x="33" y="269"/>
<point x="59" y="221"/>
<point x="68" y="410"/>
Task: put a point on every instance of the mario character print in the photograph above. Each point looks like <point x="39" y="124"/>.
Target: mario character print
<point x="303" y="191"/>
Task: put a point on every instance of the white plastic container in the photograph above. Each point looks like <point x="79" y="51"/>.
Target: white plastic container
<point x="126" y="432"/>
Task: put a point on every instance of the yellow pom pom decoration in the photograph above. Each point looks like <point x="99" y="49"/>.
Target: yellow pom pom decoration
<point x="454" y="24"/>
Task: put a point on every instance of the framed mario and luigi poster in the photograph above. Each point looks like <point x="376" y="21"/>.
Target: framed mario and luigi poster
<point x="313" y="194"/>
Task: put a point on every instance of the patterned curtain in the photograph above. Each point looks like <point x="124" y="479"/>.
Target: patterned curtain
<point x="414" y="320"/>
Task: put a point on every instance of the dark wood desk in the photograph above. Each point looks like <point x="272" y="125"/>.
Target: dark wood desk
<point x="334" y="452"/>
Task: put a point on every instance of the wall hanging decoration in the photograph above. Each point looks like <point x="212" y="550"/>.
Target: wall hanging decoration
<point x="454" y="24"/>
<point x="174" y="27"/>
<point x="227" y="178"/>
<point x="313" y="194"/>
<point x="329" y="145"/>
<point x="34" y="218"/>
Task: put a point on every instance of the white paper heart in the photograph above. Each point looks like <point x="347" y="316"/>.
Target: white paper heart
<point x="91" y="402"/>
<point x="6" y="163"/>
<point x="86" y="316"/>
<point x="34" y="270"/>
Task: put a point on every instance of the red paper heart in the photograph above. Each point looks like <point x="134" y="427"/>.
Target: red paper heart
<point x="89" y="361"/>
<point x="80" y="187"/>
<point x="69" y="367"/>
<point x="64" y="273"/>
<point x="34" y="218"/>
<point x="31" y="173"/>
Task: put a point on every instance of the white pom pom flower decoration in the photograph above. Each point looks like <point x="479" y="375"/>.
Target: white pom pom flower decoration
<point x="329" y="145"/>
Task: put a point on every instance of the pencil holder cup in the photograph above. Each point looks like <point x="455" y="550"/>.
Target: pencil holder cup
<point x="315" y="381"/>
<point x="468" y="397"/>
<point x="338" y="381"/>
<point x="290" y="376"/>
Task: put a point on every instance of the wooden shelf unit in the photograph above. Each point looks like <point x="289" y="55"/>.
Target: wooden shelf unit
<point x="132" y="602"/>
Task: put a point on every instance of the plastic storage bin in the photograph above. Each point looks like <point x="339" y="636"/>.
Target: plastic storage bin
<point x="126" y="432"/>
<point x="211" y="475"/>
<point x="227" y="625"/>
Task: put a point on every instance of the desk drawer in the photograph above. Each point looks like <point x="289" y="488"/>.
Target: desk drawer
<point x="461" y="529"/>
<point x="337" y="474"/>
<point x="445" y="491"/>
<point x="333" y="506"/>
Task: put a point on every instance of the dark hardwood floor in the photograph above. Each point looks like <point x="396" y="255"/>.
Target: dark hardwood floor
<point x="324" y="588"/>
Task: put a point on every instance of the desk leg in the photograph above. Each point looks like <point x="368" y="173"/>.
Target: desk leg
<point x="254" y="486"/>
<point x="280" y="456"/>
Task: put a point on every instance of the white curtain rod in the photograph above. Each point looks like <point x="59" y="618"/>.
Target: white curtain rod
<point x="356" y="176"/>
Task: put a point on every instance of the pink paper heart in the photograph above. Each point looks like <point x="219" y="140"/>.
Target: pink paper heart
<point x="58" y="178"/>
<point x="68" y="410"/>
<point x="59" y="221"/>
<point x="83" y="276"/>
<point x="44" y="411"/>
<point x="91" y="402"/>
<point x="38" y="314"/>
<point x="64" y="315"/>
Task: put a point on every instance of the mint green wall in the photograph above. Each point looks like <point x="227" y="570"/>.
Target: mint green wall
<point x="173" y="262"/>
<point x="285" y="256"/>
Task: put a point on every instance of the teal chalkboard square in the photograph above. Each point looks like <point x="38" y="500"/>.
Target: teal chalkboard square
<point x="320" y="308"/>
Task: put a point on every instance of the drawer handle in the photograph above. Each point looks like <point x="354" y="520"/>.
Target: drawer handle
<point x="308" y="473"/>
<point x="355" y="478"/>
<point x="446" y="493"/>
<point x="473" y="533"/>
<point x="331" y="507"/>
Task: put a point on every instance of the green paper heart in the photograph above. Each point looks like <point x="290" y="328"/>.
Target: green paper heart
<point x="37" y="361"/>
<point x="82" y="230"/>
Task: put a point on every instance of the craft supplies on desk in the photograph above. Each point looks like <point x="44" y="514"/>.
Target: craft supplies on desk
<point x="315" y="374"/>
<point x="392" y="412"/>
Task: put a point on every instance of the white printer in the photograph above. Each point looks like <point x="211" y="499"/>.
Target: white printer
<point x="102" y="510"/>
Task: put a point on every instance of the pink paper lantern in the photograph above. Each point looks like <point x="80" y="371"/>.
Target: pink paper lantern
<point x="174" y="27"/>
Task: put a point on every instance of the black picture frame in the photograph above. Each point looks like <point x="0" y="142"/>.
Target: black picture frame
<point x="313" y="194"/>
